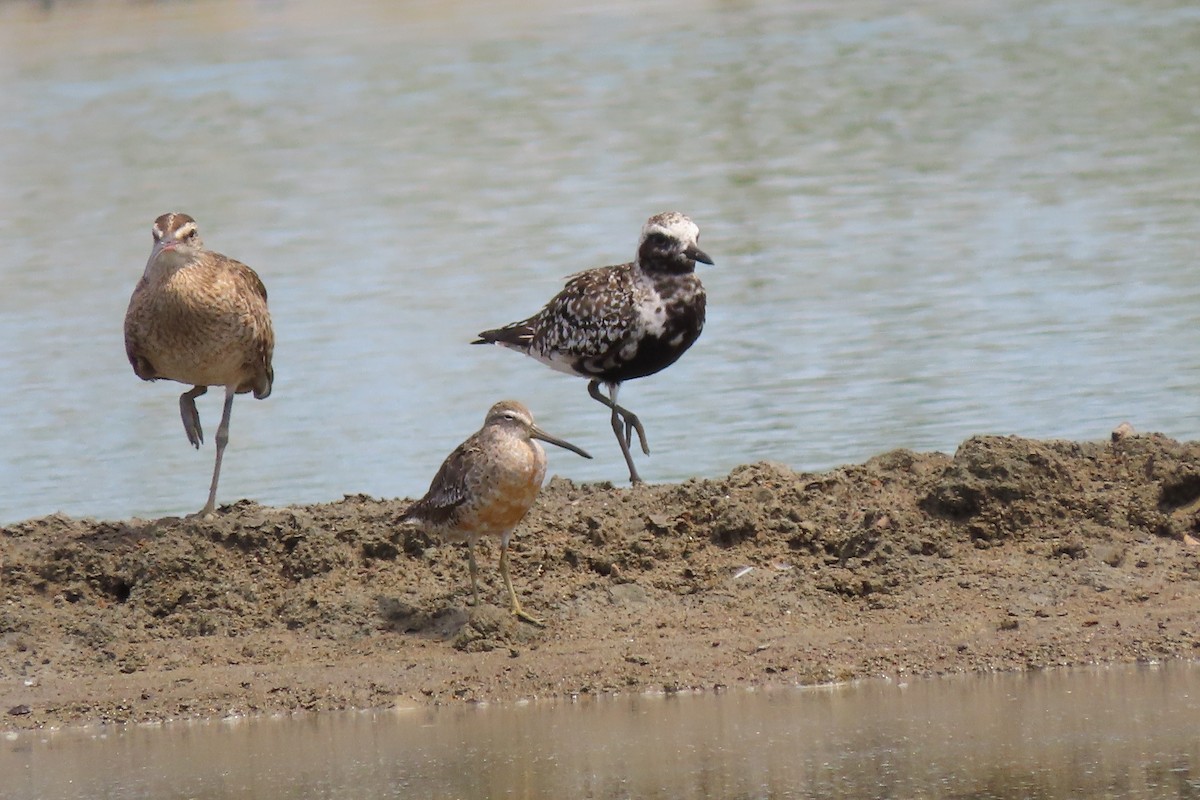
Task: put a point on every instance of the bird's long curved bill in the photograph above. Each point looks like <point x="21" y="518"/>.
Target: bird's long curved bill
<point x="538" y="433"/>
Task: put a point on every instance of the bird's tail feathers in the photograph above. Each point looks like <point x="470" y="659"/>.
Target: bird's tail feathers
<point x="519" y="334"/>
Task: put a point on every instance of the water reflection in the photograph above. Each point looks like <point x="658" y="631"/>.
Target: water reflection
<point x="1119" y="732"/>
<point x="930" y="221"/>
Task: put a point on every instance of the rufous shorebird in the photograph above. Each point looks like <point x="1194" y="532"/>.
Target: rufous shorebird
<point x="614" y="324"/>
<point x="199" y="317"/>
<point x="487" y="485"/>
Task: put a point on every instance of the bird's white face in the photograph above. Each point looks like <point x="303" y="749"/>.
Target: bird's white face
<point x="176" y="239"/>
<point x="672" y="225"/>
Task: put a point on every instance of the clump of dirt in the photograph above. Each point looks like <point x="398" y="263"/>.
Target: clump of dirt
<point x="1011" y="554"/>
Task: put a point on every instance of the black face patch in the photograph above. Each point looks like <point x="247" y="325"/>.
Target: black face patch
<point x="659" y="242"/>
<point x="662" y="253"/>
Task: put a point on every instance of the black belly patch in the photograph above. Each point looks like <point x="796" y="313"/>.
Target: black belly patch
<point x="654" y="353"/>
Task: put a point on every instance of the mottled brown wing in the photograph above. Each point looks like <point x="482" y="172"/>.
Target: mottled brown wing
<point x="254" y="291"/>
<point x="250" y="278"/>
<point x="449" y="489"/>
<point x="133" y="345"/>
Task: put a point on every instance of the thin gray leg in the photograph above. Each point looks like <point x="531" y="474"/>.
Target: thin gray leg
<point x="191" y="417"/>
<point x="222" y="440"/>
<point x="624" y="422"/>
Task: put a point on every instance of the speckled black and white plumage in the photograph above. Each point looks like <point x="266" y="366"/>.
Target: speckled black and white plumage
<point x="613" y="324"/>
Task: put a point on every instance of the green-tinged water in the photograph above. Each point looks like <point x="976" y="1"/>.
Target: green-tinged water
<point x="1125" y="733"/>
<point x="930" y="220"/>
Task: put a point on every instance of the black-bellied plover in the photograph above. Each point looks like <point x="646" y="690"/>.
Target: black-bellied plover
<point x="613" y="324"/>
<point x="199" y="317"/>
<point x="487" y="485"/>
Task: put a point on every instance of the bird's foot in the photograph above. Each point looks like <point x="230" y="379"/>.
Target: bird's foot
<point x="208" y="512"/>
<point x="522" y="615"/>
<point x="632" y="423"/>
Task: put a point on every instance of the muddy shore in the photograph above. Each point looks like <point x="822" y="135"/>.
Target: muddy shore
<point x="1011" y="554"/>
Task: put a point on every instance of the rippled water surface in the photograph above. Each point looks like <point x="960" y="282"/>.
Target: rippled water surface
<point x="1104" y="733"/>
<point x="930" y="220"/>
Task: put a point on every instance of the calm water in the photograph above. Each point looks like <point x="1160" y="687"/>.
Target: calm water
<point x="1119" y="733"/>
<point x="930" y="220"/>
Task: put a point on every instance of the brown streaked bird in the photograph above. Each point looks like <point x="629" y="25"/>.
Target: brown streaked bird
<point x="613" y="324"/>
<point x="199" y="317"/>
<point x="487" y="485"/>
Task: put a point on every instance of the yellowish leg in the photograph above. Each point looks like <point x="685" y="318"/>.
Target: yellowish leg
<point x="515" y="604"/>
<point x="474" y="572"/>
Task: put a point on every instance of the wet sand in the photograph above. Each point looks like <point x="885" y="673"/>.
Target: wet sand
<point x="1011" y="554"/>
